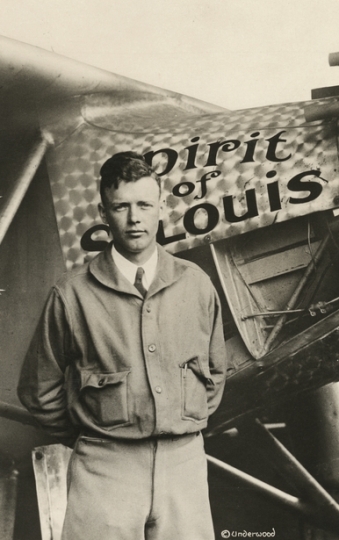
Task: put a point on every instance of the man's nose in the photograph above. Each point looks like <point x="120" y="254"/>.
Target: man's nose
<point x="133" y="215"/>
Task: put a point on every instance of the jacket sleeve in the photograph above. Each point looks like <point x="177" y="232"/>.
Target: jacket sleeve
<point x="42" y="381"/>
<point x="217" y="356"/>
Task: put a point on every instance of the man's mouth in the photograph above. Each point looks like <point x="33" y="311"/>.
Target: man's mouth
<point x="135" y="233"/>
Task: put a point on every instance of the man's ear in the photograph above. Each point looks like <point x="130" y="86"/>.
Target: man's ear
<point x="102" y="213"/>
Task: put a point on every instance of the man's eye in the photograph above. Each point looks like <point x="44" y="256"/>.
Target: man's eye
<point x="119" y="208"/>
<point x="146" y="205"/>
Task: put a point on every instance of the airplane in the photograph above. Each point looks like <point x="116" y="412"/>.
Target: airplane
<point x="252" y="196"/>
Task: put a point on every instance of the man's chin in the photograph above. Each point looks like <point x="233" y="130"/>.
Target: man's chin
<point x="136" y="246"/>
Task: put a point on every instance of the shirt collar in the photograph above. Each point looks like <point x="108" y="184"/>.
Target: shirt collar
<point x="104" y="270"/>
<point x="129" y="269"/>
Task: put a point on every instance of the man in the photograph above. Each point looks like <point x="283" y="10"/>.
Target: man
<point x="130" y="358"/>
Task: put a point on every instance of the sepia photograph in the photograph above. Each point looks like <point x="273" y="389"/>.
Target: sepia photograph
<point x="169" y="270"/>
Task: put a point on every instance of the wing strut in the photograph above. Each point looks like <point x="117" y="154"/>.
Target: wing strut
<point x="19" y="188"/>
<point x="314" y="503"/>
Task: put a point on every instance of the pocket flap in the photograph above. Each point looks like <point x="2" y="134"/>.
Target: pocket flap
<point x="100" y="380"/>
<point x="199" y="368"/>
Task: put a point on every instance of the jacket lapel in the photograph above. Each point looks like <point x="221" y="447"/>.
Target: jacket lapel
<point x="103" y="268"/>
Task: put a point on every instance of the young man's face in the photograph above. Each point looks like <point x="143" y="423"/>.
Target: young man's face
<point x="132" y="213"/>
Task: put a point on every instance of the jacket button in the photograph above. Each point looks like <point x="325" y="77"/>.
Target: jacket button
<point x="148" y="309"/>
<point x="158" y="389"/>
<point x="101" y="382"/>
<point x="151" y="347"/>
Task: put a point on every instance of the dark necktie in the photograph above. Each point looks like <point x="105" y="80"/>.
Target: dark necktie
<point x="138" y="281"/>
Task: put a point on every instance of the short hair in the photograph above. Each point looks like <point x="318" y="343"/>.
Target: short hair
<point x="124" y="166"/>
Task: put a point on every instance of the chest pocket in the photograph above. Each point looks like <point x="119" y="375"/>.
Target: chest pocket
<point x="194" y="379"/>
<point x="104" y="395"/>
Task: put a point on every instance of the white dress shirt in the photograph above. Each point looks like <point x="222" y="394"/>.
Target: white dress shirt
<point x="129" y="269"/>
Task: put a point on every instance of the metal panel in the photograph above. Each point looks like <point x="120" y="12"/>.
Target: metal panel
<point x="223" y="174"/>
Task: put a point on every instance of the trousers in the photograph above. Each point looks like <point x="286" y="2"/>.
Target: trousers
<point x="152" y="489"/>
